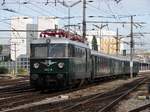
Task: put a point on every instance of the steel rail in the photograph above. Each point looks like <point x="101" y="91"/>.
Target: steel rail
<point x="141" y="108"/>
<point x="109" y="106"/>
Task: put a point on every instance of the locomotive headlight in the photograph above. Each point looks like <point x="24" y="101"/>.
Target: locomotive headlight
<point x="36" y="65"/>
<point x="61" y="65"/>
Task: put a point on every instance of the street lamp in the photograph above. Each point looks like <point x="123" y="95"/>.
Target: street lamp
<point x="100" y="29"/>
<point x="69" y="6"/>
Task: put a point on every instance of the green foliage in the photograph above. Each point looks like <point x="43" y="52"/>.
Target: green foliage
<point x="94" y="44"/>
<point x="22" y="71"/>
<point x="7" y="58"/>
<point x="1" y="48"/>
<point x="3" y="70"/>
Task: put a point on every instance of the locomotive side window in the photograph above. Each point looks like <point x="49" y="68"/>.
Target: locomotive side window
<point x="75" y="51"/>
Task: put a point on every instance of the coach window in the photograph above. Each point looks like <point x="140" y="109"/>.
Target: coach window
<point x="75" y="52"/>
<point x="78" y="55"/>
<point x="79" y="52"/>
<point x="98" y="64"/>
<point x="71" y="51"/>
<point x="84" y="54"/>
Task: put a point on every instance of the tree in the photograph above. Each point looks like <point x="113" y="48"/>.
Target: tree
<point x="94" y="43"/>
<point x="3" y="70"/>
<point x="1" y="48"/>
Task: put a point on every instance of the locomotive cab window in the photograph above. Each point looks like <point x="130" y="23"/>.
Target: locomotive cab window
<point x="58" y="50"/>
<point x="39" y="50"/>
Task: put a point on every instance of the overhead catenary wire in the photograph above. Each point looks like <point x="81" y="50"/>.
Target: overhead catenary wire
<point x="114" y="14"/>
<point x="49" y="1"/>
<point x="98" y="9"/>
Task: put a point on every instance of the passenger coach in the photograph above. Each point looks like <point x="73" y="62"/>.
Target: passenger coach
<point x="104" y="65"/>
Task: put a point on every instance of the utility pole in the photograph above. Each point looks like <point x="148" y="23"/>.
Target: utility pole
<point x="69" y="6"/>
<point x="15" y="50"/>
<point x="100" y="33"/>
<point x="100" y="38"/>
<point x="68" y="19"/>
<point x="84" y="20"/>
<point x="131" y="49"/>
<point x="117" y="42"/>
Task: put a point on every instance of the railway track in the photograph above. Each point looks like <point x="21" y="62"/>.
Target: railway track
<point x="100" y="102"/>
<point x="4" y="82"/>
<point x="14" y="86"/>
<point x="14" y="90"/>
<point x="37" y="102"/>
<point x="141" y="108"/>
<point x="21" y="93"/>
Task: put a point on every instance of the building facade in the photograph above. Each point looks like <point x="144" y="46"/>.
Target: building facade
<point x="30" y="36"/>
<point x="24" y="31"/>
<point x="110" y="45"/>
<point x="5" y="53"/>
<point x="46" y="22"/>
<point x="106" y="41"/>
<point x="18" y="40"/>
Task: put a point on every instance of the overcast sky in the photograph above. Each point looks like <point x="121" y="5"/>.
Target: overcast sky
<point x="111" y="11"/>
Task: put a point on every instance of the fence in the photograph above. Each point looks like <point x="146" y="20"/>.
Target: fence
<point x="22" y="63"/>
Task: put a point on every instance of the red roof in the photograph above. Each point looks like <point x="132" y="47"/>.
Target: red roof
<point x="61" y="33"/>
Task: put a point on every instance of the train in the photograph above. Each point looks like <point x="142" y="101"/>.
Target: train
<point x="58" y="62"/>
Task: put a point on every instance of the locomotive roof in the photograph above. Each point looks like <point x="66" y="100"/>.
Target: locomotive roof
<point x="58" y="40"/>
<point x="123" y="58"/>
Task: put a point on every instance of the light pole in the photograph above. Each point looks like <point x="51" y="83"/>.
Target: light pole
<point x="69" y="6"/>
<point x="118" y="41"/>
<point x="131" y="49"/>
<point x="100" y="30"/>
<point x="15" y="57"/>
<point x="84" y="20"/>
<point x="68" y="18"/>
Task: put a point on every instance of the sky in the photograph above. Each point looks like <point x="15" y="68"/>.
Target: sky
<point x="100" y="10"/>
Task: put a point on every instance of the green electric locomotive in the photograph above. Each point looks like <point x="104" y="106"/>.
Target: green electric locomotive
<point x="58" y="62"/>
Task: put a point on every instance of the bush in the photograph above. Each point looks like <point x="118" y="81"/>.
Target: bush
<point x="22" y="71"/>
<point x="3" y="70"/>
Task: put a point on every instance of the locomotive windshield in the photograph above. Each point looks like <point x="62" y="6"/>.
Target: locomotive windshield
<point x="39" y="50"/>
<point x="57" y="50"/>
<point x="49" y="50"/>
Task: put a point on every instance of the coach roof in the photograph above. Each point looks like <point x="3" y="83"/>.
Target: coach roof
<point x="121" y="58"/>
